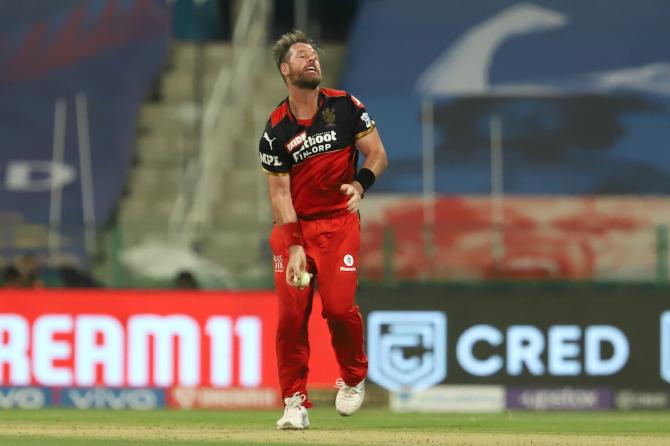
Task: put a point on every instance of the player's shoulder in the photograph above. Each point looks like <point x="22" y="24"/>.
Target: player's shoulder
<point x="333" y="93"/>
<point x="341" y="95"/>
<point x="279" y="114"/>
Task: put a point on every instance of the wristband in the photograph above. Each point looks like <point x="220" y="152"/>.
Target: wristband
<point x="365" y="178"/>
<point x="291" y="233"/>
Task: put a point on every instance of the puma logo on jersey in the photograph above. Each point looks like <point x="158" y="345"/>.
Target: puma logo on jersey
<point x="267" y="138"/>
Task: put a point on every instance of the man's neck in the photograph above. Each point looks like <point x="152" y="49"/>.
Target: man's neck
<point x="303" y="102"/>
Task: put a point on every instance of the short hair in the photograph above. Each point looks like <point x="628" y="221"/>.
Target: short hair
<point x="286" y="41"/>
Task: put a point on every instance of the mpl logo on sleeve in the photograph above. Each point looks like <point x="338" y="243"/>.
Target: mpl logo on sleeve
<point x="407" y="349"/>
<point x="270" y="160"/>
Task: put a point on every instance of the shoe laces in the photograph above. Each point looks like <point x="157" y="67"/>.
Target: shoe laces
<point x="340" y="384"/>
<point x="295" y="401"/>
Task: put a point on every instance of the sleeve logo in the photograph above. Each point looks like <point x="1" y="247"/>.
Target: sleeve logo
<point x="366" y="119"/>
<point x="270" y="160"/>
<point x="267" y="138"/>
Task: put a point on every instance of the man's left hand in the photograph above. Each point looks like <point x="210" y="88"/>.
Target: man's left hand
<point x="355" y="192"/>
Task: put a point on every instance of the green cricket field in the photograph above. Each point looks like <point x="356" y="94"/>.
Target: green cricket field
<point x="56" y="427"/>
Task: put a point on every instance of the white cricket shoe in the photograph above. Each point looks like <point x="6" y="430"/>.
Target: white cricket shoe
<point x="295" y="414"/>
<point x="349" y="398"/>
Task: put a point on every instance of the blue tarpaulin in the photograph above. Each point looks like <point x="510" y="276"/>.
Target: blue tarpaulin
<point x="582" y="90"/>
<point x="73" y="74"/>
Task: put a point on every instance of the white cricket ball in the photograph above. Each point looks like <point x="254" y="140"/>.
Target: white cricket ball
<point x="303" y="282"/>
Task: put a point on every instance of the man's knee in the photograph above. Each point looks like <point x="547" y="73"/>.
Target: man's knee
<point x="336" y="313"/>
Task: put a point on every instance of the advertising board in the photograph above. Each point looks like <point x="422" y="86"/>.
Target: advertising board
<point x="524" y="336"/>
<point x="140" y="339"/>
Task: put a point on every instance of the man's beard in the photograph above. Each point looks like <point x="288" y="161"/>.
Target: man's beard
<point x="306" y="83"/>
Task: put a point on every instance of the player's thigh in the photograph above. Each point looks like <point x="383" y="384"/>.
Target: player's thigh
<point x="338" y="267"/>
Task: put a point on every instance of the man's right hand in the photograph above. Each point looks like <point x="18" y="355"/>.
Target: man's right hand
<point x="297" y="264"/>
<point x="354" y="191"/>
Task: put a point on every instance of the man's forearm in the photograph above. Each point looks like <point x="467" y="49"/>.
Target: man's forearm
<point x="283" y="210"/>
<point x="376" y="162"/>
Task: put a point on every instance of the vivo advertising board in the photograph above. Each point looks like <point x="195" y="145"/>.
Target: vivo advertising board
<point x="526" y="337"/>
<point x="208" y="349"/>
<point x="25" y="397"/>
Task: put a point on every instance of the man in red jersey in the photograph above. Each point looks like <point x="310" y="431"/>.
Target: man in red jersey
<point x="310" y="150"/>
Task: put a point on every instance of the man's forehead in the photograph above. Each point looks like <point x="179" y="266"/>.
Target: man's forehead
<point x="302" y="47"/>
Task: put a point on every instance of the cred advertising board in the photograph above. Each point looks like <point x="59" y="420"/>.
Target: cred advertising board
<point x="201" y="345"/>
<point x="549" y="337"/>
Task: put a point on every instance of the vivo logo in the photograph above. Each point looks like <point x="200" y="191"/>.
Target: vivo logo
<point x="117" y="399"/>
<point x="24" y="397"/>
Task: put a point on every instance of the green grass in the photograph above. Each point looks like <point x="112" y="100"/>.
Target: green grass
<point x="522" y="422"/>
<point x="53" y="426"/>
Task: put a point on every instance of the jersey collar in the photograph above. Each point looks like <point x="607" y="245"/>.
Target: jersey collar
<point x="306" y="122"/>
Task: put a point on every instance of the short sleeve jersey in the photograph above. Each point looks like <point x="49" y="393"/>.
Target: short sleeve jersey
<point x="320" y="154"/>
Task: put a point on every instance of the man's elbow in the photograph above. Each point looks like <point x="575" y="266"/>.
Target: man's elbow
<point x="382" y="160"/>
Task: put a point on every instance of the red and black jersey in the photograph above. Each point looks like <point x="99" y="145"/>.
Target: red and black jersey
<point x="320" y="154"/>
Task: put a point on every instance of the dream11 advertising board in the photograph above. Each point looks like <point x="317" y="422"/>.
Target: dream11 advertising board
<point x="139" y="349"/>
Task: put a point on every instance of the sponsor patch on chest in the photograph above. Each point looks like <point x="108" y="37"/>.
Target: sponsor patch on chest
<point x="296" y="141"/>
<point x="315" y="144"/>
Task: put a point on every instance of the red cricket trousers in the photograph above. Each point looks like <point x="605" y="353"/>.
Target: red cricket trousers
<point x="332" y="246"/>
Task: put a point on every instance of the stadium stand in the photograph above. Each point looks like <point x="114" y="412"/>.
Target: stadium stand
<point x="216" y="226"/>
<point x="73" y="74"/>
<point x="177" y="183"/>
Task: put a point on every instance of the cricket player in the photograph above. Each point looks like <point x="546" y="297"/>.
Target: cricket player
<point x="310" y="150"/>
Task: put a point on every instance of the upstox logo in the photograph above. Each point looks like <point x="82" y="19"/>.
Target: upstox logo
<point x="407" y="349"/>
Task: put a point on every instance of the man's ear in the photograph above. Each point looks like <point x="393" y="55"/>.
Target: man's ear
<point x="284" y="69"/>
